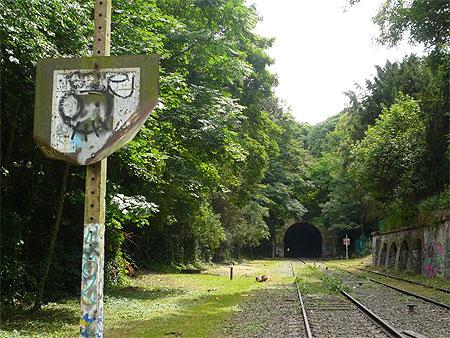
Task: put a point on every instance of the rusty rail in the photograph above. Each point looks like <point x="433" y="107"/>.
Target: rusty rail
<point x="373" y="316"/>
<point x="302" y="305"/>
<point x="406" y="280"/>
<point x="403" y="291"/>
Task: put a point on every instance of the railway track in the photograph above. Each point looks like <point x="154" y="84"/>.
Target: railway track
<point x="323" y="314"/>
<point x="302" y="305"/>
<point x="406" y="280"/>
<point x="427" y="316"/>
<point x="426" y="299"/>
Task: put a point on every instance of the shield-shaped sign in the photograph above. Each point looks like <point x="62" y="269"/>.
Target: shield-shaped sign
<point x="87" y="108"/>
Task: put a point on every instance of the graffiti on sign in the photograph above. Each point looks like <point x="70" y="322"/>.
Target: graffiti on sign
<point x="89" y="106"/>
<point x="92" y="106"/>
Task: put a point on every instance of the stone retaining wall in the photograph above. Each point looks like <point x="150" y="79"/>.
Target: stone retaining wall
<point x="423" y="250"/>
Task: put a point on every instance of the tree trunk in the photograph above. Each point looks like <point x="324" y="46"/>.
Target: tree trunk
<point x="273" y="249"/>
<point x="54" y="236"/>
<point x="10" y="139"/>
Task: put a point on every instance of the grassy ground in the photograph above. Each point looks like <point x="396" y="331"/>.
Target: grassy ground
<point x="170" y="305"/>
<point x="353" y="264"/>
<point x="312" y="280"/>
<point x="156" y="305"/>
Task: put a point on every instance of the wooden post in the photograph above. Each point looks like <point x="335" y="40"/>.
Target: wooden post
<point x="346" y="246"/>
<point x="231" y="273"/>
<point x="91" y="321"/>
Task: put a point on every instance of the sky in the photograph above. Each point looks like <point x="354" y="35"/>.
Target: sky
<point x="321" y="50"/>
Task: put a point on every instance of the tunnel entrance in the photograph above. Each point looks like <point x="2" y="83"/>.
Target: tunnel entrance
<point x="302" y="240"/>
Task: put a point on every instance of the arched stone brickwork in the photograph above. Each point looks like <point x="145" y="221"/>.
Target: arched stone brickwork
<point x="383" y="254"/>
<point x="403" y="256"/>
<point x="392" y="255"/>
<point x="422" y="250"/>
<point x="416" y="256"/>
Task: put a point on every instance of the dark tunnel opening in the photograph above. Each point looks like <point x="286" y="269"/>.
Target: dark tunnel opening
<point x="302" y="240"/>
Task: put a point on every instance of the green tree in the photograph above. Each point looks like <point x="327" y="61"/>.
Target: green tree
<point x="30" y="30"/>
<point x="425" y="21"/>
<point x="389" y="161"/>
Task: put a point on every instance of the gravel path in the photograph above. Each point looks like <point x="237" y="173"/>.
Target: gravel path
<point x="270" y="312"/>
<point x="427" y="319"/>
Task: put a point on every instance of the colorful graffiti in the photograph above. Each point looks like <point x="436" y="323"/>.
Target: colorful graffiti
<point x="434" y="260"/>
<point x="91" y="321"/>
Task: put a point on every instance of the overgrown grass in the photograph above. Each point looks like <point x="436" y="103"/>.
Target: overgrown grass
<point x="312" y="280"/>
<point x="155" y="304"/>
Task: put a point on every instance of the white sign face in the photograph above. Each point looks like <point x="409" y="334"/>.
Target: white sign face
<point x="88" y="107"/>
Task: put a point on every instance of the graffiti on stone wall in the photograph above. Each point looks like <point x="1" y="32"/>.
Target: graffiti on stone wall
<point x="91" y="321"/>
<point x="434" y="258"/>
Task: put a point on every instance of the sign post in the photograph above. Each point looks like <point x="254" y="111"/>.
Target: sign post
<point x="94" y="106"/>
<point x="346" y="241"/>
<point x="93" y="257"/>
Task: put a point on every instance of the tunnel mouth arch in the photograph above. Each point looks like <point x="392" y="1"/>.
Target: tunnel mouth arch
<point x="302" y="239"/>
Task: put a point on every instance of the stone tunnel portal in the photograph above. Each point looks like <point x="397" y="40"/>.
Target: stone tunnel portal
<point x="302" y="240"/>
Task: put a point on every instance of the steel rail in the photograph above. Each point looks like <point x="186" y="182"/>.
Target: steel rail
<point x="406" y="280"/>
<point x="302" y="305"/>
<point x="385" y="325"/>
<point x="373" y="316"/>
<point x="404" y="291"/>
<point x="292" y="269"/>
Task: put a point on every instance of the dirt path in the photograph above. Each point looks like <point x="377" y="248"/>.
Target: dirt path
<point x="273" y="311"/>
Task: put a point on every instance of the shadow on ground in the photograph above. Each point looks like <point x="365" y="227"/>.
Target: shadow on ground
<point x="238" y="314"/>
<point x="138" y="293"/>
<point x="51" y="318"/>
<point x="55" y="316"/>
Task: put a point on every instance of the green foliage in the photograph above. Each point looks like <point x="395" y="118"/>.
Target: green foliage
<point x="251" y="227"/>
<point x="208" y="232"/>
<point x="123" y="212"/>
<point x="383" y="154"/>
<point x="286" y="183"/>
<point x="30" y="30"/>
<point x="193" y="184"/>
<point x="399" y="214"/>
<point x="389" y="159"/>
<point x="313" y="281"/>
<point x="317" y="138"/>
<point x="425" y="21"/>
<point x="220" y="167"/>
<point x="432" y="210"/>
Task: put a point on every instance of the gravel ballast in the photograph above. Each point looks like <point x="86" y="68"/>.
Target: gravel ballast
<point x="335" y="316"/>
<point x="427" y="319"/>
<point x="271" y="312"/>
